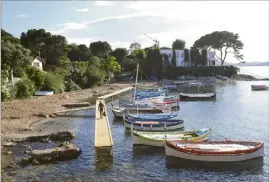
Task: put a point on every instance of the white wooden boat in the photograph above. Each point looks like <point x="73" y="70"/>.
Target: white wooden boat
<point x="119" y="111"/>
<point x="158" y="139"/>
<point x="259" y="87"/>
<point x="158" y="126"/>
<point x="43" y="93"/>
<point x="215" y="151"/>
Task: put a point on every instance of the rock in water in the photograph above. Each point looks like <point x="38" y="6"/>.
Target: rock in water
<point x="65" y="152"/>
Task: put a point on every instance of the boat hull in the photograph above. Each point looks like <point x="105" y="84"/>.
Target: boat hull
<point x="173" y="126"/>
<point x="121" y="112"/>
<point x="259" y="87"/>
<point x="159" y="116"/>
<point x="138" y="140"/>
<point x="171" y="151"/>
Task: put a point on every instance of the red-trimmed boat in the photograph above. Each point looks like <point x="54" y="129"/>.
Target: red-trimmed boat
<point x="259" y="87"/>
<point x="215" y="151"/>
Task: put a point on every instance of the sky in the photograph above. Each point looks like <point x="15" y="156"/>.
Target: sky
<point x="123" y="22"/>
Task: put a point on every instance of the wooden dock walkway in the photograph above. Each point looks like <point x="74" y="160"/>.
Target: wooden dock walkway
<point x="115" y="93"/>
<point x="103" y="136"/>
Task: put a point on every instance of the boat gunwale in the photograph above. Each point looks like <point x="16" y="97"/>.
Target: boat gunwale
<point x="172" y="123"/>
<point x="257" y="146"/>
<point x="136" y="133"/>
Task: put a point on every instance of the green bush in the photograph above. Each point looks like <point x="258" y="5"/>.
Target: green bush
<point x="94" y="76"/>
<point x="25" y="88"/>
<point x="36" y="76"/>
<point x="53" y="82"/>
<point x="4" y="93"/>
<point x="71" y="86"/>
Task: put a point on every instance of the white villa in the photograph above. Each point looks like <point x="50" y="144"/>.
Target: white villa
<point x="180" y="58"/>
<point x="38" y="62"/>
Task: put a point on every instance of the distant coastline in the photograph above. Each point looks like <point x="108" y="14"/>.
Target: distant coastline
<point x="252" y="64"/>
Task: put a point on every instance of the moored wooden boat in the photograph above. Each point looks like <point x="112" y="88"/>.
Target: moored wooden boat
<point x="259" y="87"/>
<point x="215" y="151"/>
<point x="152" y="116"/>
<point x="131" y="104"/>
<point x="119" y="111"/>
<point x="153" y="125"/>
<point x="158" y="139"/>
<point x="195" y="97"/>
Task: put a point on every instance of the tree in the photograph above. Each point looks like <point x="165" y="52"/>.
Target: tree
<point x="195" y="56"/>
<point x="84" y="53"/>
<point x="78" y="52"/>
<point x="55" y="48"/>
<point x="100" y="49"/>
<point x="153" y="64"/>
<point x="174" y="61"/>
<point x="73" y="52"/>
<point x="134" y="46"/>
<point x="14" y="56"/>
<point x="222" y="41"/>
<point x="43" y="44"/>
<point x="120" y="54"/>
<point x="110" y="65"/>
<point x="186" y="55"/>
<point x="35" y="40"/>
<point x="204" y="57"/>
<point x="8" y="37"/>
<point x="139" y="56"/>
<point x="178" y="44"/>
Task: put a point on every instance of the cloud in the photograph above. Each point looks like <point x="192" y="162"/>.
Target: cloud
<point x="83" y="40"/>
<point x="119" y="17"/>
<point x="69" y="26"/>
<point x="82" y="10"/>
<point x="84" y="25"/>
<point x="23" y="15"/>
<point x="103" y="3"/>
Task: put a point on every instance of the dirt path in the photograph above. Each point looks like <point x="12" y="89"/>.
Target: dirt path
<point x="18" y="115"/>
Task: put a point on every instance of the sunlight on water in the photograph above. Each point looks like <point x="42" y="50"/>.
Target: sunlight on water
<point x="256" y="71"/>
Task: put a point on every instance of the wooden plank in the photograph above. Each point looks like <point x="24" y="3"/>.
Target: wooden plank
<point x="103" y="137"/>
<point x="115" y="93"/>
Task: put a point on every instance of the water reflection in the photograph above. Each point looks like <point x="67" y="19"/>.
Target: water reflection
<point x="103" y="158"/>
<point x="253" y="165"/>
<point x="141" y="151"/>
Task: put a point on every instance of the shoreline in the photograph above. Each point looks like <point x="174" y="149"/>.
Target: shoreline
<point x="18" y="116"/>
<point x="245" y="77"/>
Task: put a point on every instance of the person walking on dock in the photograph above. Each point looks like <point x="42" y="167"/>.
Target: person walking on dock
<point x="101" y="109"/>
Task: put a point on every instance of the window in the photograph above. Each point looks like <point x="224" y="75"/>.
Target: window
<point x="181" y="55"/>
<point x="36" y="64"/>
<point x="169" y="54"/>
<point x="177" y="55"/>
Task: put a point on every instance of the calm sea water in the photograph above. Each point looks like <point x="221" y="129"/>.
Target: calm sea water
<point x="256" y="71"/>
<point x="238" y="113"/>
